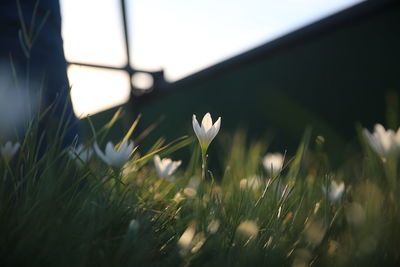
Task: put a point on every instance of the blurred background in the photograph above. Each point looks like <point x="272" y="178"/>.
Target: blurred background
<point x="273" y="68"/>
<point x="179" y="37"/>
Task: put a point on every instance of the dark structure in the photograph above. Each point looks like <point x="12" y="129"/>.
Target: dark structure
<point x="31" y="52"/>
<point x="329" y="75"/>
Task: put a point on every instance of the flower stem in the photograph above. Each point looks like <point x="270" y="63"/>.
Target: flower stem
<point x="204" y="166"/>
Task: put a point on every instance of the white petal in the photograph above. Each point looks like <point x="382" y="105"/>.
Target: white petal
<point x="273" y="162"/>
<point x="373" y="142"/>
<point x="166" y="161"/>
<point x="126" y="150"/>
<point x="379" y="129"/>
<point x="199" y="131"/>
<point x="215" y="128"/>
<point x="157" y="164"/>
<point x="174" y="166"/>
<point x="206" y="123"/>
<point x="196" y="126"/>
<point x="109" y="149"/>
<point x="130" y="147"/>
<point x="336" y="191"/>
<point x="112" y="156"/>
<point x="99" y="153"/>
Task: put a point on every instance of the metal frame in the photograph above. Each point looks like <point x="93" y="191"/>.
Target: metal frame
<point x="319" y="28"/>
<point x="158" y="76"/>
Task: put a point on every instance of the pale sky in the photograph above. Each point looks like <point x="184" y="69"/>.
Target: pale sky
<point x="179" y="36"/>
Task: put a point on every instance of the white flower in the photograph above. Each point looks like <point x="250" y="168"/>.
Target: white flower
<point x="133" y="226"/>
<point x="247" y="229"/>
<point x="385" y="142"/>
<point x="253" y="183"/>
<point x="8" y="150"/>
<point x="207" y="132"/>
<point x="81" y="154"/>
<point x="113" y="157"/>
<point x="335" y="191"/>
<point x="185" y="241"/>
<point x="192" y="187"/>
<point x="213" y="226"/>
<point x="273" y="162"/>
<point x="165" y="167"/>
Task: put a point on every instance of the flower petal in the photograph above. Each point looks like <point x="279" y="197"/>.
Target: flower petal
<point x="199" y="131"/>
<point x="206" y="123"/>
<point x="99" y="153"/>
<point x="215" y="128"/>
<point x="174" y="166"/>
<point x="196" y="126"/>
<point x="157" y="164"/>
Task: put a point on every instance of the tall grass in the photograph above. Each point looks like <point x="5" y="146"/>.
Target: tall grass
<point x="57" y="210"/>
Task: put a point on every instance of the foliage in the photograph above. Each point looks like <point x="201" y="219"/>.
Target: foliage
<point x="58" y="210"/>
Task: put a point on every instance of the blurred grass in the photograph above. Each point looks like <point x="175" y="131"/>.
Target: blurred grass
<point x="55" y="213"/>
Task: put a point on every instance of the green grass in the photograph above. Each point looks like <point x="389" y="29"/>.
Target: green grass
<point x="55" y="212"/>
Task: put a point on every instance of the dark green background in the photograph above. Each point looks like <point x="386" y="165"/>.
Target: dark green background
<point x="331" y="75"/>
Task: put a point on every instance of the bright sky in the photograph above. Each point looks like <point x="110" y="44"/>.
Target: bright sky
<point x="179" y="36"/>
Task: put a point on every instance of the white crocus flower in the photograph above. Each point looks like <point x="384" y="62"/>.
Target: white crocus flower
<point x="165" y="167"/>
<point x="385" y="142"/>
<point x="247" y="229"/>
<point x="253" y="183"/>
<point x="8" y="150"/>
<point x="207" y="132"/>
<point x="273" y="162"/>
<point x="81" y="153"/>
<point x="335" y="191"/>
<point x="113" y="157"/>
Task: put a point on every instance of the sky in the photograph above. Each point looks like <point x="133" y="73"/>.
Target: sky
<point x="179" y="36"/>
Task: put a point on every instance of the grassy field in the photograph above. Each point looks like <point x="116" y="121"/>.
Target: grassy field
<point x="60" y="206"/>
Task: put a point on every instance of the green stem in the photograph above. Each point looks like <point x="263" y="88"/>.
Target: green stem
<point x="204" y="166"/>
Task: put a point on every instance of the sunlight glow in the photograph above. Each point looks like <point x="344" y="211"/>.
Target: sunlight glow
<point x="181" y="37"/>
<point x="94" y="90"/>
<point x="93" y="32"/>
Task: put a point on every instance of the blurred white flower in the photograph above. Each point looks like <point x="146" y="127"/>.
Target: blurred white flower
<point x="133" y="226"/>
<point x="185" y="240"/>
<point x="247" y="229"/>
<point x="81" y="153"/>
<point x="113" y="157"/>
<point x="385" y="142"/>
<point x="253" y="183"/>
<point x="315" y="231"/>
<point x="207" y="132"/>
<point x="335" y="191"/>
<point x="178" y="197"/>
<point x="191" y="189"/>
<point x="8" y="150"/>
<point x="165" y="167"/>
<point x="213" y="226"/>
<point x="273" y="162"/>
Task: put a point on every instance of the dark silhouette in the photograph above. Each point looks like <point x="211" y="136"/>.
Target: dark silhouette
<point x="30" y="34"/>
